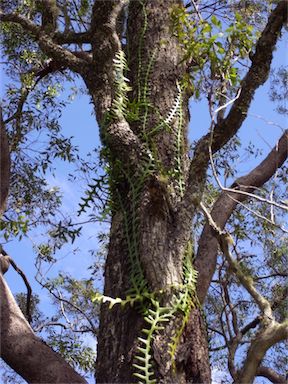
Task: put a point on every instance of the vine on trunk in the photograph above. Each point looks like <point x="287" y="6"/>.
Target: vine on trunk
<point x="182" y="296"/>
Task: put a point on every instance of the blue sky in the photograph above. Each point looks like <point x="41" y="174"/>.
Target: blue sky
<point x="78" y="121"/>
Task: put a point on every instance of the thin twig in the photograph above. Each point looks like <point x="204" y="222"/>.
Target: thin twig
<point x="224" y="239"/>
<point x="225" y="189"/>
<point x="197" y="10"/>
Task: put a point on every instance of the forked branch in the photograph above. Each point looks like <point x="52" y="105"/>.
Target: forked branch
<point x="225" y="205"/>
<point x="46" y="42"/>
<point x="271" y="332"/>
<point x="255" y="77"/>
<point x="5" y="262"/>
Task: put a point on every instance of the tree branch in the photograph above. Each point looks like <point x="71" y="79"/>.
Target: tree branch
<point x="41" y="363"/>
<point x="246" y="281"/>
<point x="49" y="12"/>
<point x="73" y="37"/>
<point x="265" y="339"/>
<point x="50" y="67"/>
<point x="254" y="323"/>
<point x="271" y="333"/>
<point x="224" y="240"/>
<point x="271" y="375"/>
<point x="7" y="261"/>
<point x="76" y="307"/>
<point x="119" y="137"/>
<point x="46" y="43"/>
<point x="64" y="326"/>
<point x="104" y="20"/>
<point x="25" y="23"/>
<point x="4" y="165"/>
<point x="60" y="54"/>
<point x="105" y="43"/>
<point x="256" y="76"/>
<point x="222" y="133"/>
<point x="68" y="37"/>
<point x="224" y="206"/>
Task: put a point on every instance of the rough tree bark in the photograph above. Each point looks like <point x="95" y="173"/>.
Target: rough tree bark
<point x="165" y="217"/>
<point x="165" y="234"/>
<point x="27" y="354"/>
<point x="161" y="252"/>
<point x="5" y="165"/>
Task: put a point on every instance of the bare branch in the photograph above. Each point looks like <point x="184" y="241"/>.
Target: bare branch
<point x="245" y="188"/>
<point x="265" y="339"/>
<point x="246" y="281"/>
<point x="271" y="333"/>
<point x="28" y="286"/>
<point x="224" y="240"/>
<point x="195" y="6"/>
<point x="50" y="324"/>
<point x="272" y="275"/>
<point x="64" y="326"/>
<point x="251" y="325"/>
<point x="76" y="307"/>
<point x="258" y="214"/>
<point x="225" y="205"/>
<point x="271" y="375"/>
<point x="73" y="37"/>
<point x="257" y="320"/>
<point x="234" y="341"/>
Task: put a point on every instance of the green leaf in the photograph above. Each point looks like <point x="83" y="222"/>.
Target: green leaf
<point x="215" y="21"/>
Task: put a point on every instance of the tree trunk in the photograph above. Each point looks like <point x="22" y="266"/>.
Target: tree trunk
<point x="5" y="165"/>
<point x="120" y="328"/>
<point x="148" y="240"/>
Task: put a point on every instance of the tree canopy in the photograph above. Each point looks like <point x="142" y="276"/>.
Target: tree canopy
<point x="190" y="220"/>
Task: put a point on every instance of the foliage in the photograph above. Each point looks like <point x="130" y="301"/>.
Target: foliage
<point x="71" y="347"/>
<point x="212" y="49"/>
<point x="279" y="89"/>
<point x="218" y="46"/>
